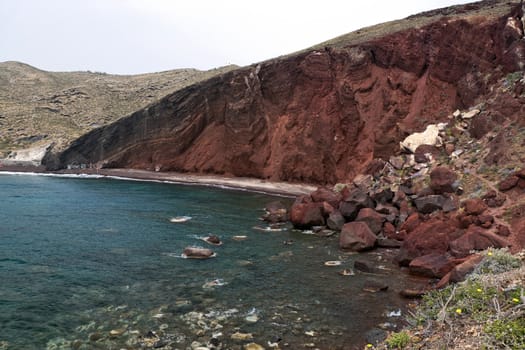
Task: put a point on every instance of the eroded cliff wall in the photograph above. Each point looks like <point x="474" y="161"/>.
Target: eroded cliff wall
<point x="320" y="115"/>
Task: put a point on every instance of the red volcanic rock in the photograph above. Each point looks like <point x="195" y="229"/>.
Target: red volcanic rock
<point x="323" y="114"/>
<point x="356" y="236"/>
<point x="373" y="219"/>
<point x="422" y="152"/>
<point x="494" y="199"/>
<point x="326" y="195"/>
<point x="411" y="223"/>
<point x="306" y="215"/>
<point x="509" y="183"/>
<point x="442" y="180"/>
<point x="474" y="206"/>
<point x="432" y="265"/>
<point x="461" y="271"/>
<point x="476" y="238"/>
<point x="503" y="230"/>
<point x="485" y="220"/>
<point x="432" y="236"/>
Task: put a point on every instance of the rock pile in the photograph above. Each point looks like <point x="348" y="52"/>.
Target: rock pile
<point x="413" y="202"/>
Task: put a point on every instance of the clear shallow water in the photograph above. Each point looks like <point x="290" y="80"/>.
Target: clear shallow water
<point x="93" y="264"/>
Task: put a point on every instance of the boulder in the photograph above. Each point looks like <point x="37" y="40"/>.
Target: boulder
<point x="508" y="183"/>
<point x="353" y="201"/>
<point x="326" y="195"/>
<point x="425" y="153"/>
<point x="428" y="137"/>
<point x="432" y="236"/>
<point x="429" y="204"/>
<point x="476" y="238"/>
<point x="485" y="220"/>
<point x="390" y="212"/>
<point x="442" y="180"/>
<point x="432" y="265"/>
<point x="275" y="212"/>
<point x="305" y="215"/>
<point x="389" y="243"/>
<point x="365" y="266"/>
<point x="474" y="206"/>
<point x="411" y="223"/>
<point x="373" y="219"/>
<point x="382" y="195"/>
<point x="460" y="272"/>
<point x="356" y="236"/>
<point x="197" y="253"/>
<point x="503" y="230"/>
<point x="335" y="221"/>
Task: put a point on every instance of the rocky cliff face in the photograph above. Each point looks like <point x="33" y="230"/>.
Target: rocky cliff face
<point x="323" y="114"/>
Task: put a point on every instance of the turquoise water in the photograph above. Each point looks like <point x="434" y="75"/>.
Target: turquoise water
<point x="95" y="264"/>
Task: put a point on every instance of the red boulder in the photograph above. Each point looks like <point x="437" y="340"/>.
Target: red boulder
<point x="442" y="180"/>
<point x="356" y="236"/>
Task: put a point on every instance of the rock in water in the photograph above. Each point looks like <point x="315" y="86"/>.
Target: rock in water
<point x="197" y="253"/>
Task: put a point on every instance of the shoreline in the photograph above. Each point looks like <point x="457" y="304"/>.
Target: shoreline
<point x="232" y="183"/>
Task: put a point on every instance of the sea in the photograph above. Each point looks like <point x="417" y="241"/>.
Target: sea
<point x="97" y="263"/>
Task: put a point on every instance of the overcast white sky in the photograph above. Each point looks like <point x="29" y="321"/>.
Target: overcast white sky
<point x="137" y="36"/>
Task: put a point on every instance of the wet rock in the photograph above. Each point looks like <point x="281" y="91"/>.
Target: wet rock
<point x="253" y="346"/>
<point x="197" y="253"/>
<point x="365" y="266"/>
<point x="374" y="286"/>
<point x="326" y="195"/>
<point x="375" y="336"/>
<point x="432" y="236"/>
<point x="432" y="265"/>
<point x="335" y="221"/>
<point x="305" y="215"/>
<point x="476" y="238"/>
<point x="442" y="180"/>
<point x="276" y="211"/>
<point x="388" y="243"/>
<point x="356" y="236"/>
<point x="241" y="336"/>
<point x="373" y="219"/>
<point x="474" y="206"/>
<point x="508" y="183"/>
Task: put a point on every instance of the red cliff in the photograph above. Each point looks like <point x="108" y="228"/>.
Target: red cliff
<point x="321" y="115"/>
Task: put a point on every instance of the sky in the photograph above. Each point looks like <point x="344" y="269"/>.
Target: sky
<point x="140" y="36"/>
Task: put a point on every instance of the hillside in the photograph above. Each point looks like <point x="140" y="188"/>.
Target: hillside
<point x="39" y="107"/>
<point x="323" y="114"/>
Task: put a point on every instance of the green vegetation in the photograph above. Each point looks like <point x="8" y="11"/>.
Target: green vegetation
<point x="398" y="340"/>
<point x="489" y="305"/>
